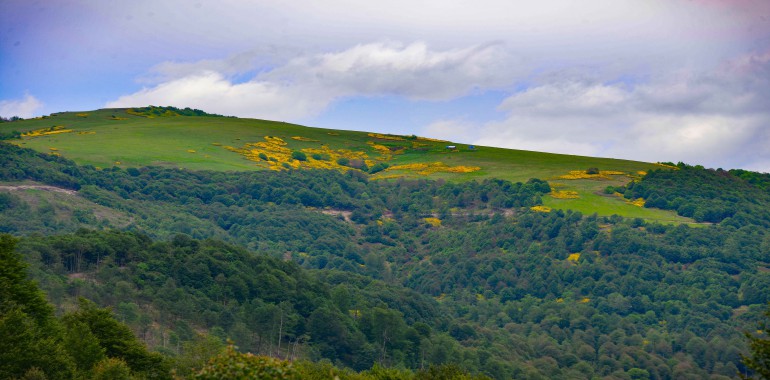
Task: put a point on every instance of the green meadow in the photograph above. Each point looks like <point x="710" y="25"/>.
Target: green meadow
<point x="114" y="137"/>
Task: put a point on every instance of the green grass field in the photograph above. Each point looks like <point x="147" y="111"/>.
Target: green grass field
<point x="113" y="137"/>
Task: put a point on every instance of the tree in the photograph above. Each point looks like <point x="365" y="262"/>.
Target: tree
<point x="118" y="341"/>
<point x="759" y="361"/>
<point x="30" y="335"/>
<point x="235" y="365"/>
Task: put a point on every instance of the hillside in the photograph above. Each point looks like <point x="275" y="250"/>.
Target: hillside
<point x="168" y="137"/>
<point x="334" y="265"/>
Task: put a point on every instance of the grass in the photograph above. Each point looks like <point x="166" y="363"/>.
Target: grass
<point x="113" y="137"/>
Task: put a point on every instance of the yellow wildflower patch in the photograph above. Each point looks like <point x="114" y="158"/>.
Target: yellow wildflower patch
<point x="53" y="149"/>
<point x="332" y="133"/>
<point x="87" y="132"/>
<point x="540" y="208"/>
<point x="216" y="144"/>
<point x="381" y="149"/>
<point x="47" y="131"/>
<point x="117" y="162"/>
<point x="564" y="194"/>
<point x="300" y="138"/>
<point x="433" y="167"/>
<point x="275" y="155"/>
<point x="637" y="202"/>
<point x="574" y="257"/>
<point x="435" y="222"/>
<point x="275" y="140"/>
<point x="585" y="300"/>
<point x="190" y="150"/>
<point x="641" y="172"/>
<point x="480" y="297"/>
<point x="559" y="300"/>
<point x="667" y="166"/>
<point x="385" y="137"/>
<point x="82" y="115"/>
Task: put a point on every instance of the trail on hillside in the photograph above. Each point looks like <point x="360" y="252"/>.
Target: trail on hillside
<point x="38" y="187"/>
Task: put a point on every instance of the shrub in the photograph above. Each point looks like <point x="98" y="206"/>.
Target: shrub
<point x="235" y="365"/>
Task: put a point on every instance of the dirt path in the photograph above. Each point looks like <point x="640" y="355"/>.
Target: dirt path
<point x="38" y="187"/>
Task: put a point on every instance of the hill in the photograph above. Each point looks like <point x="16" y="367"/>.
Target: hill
<point x="192" y="139"/>
<point x="404" y="272"/>
<point x="363" y="269"/>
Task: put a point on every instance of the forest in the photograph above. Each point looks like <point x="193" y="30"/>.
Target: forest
<point x="337" y="272"/>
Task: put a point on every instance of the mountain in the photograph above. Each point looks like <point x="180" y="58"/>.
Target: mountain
<point x="169" y="137"/>
<point x="406" y="254"/>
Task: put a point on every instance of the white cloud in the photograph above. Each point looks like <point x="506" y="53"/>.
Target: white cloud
<point x="26" y="107"/>
<point x="710" y="118"/>
<point x="305" y="85"/>
<point x="214" y="93"/>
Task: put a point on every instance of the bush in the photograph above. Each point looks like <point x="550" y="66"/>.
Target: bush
<point x="297" y="155"/>
<point x="235" y="365"/>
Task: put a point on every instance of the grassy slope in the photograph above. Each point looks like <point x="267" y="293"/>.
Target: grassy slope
<point x="99" y="140"/>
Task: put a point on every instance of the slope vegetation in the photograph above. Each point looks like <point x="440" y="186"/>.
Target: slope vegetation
<point x="192" y="139"/>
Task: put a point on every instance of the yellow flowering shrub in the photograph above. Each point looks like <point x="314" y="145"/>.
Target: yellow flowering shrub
<point x="540" y="208"/>
<point x="381" y="149"/>
<point x="87" y="132"/>
<point x="422" y="168"/>
<point x="385" y="137"/>
<point x="300" y="138"/>
<point x="585" y="300"/>
<point x="435" y="222"/>
<point x="574" y="257"/>
<point x="564" y="194"/>
<point x="637" y="202"/>
<point x="667" y="166"/>
<point x="279" y="156"/>
<point x="190" y="150"/>
<point x="47" y="131"/>
<point x="82" y="115"/>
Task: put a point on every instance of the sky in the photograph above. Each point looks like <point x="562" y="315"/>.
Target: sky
<point x="649" y="80"/>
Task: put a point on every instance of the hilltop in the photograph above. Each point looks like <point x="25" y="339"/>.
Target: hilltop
<point x="193" y="139"/>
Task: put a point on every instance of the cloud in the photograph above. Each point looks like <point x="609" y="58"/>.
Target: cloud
<point x="305" y="85"/>
<point x="213" y="92"/>
<point x="25" y="108"/>
<point x="717" y="118"/>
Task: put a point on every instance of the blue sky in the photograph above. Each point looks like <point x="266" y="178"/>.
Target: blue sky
<point x="652" y="80"/>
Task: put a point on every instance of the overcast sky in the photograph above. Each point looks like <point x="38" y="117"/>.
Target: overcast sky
<point x="651" y="80"/>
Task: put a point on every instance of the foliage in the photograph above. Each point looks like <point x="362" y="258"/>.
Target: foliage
<point x="759" y="361"/>
<point x="324" y="265"/>
<point x="235" y="365"/>
<point x="706" y="195"/>
<point x="153" y="111"/>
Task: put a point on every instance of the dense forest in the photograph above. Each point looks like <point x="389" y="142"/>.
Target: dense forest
<point x="368" y="275"/>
